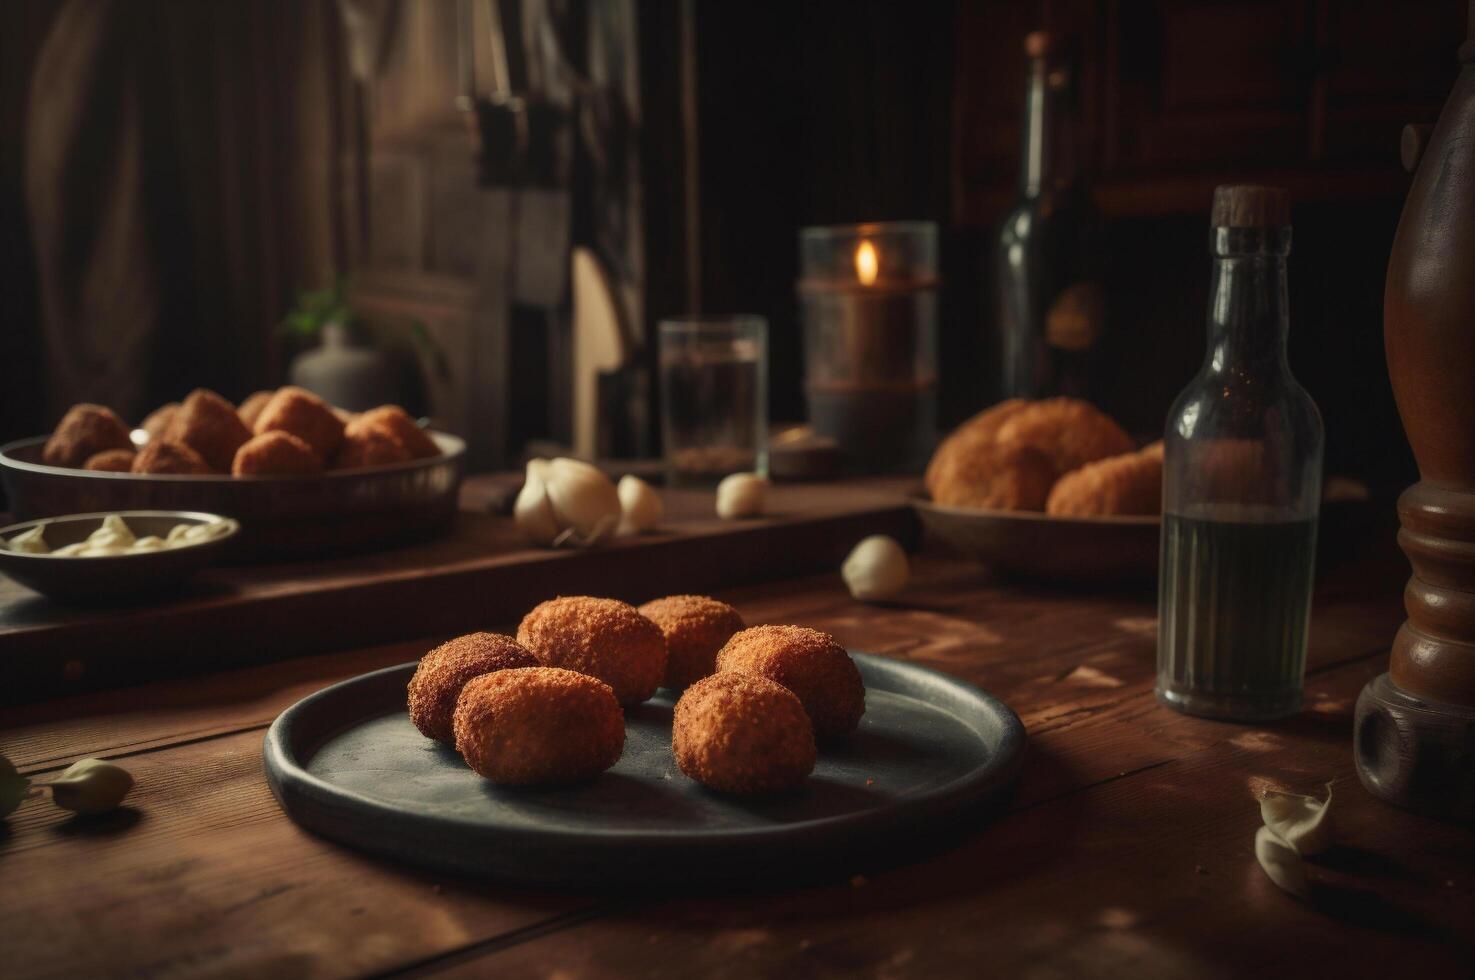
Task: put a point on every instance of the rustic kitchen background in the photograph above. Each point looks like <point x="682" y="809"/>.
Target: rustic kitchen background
<point x="200" y="164"/>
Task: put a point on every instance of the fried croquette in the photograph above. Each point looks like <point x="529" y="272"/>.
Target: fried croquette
<point x="250" y="409"/>
<point x="110" y="461"/>
<point x="168" y="456"/>
<point x="1128" y="484"/>
<point x="807" y="662"/>
<point x="742" y="733"/>
<point x="446" y="669"/>
<point x="529" y="725"/>
<point x="275" y="454"/>
<point x="604" y="638"/>
<point x="1069" y="431"/>
<point x="986" y="474"/>
<point x="82" y="433"/>
<point x="304" y="415"/>
<point x="368" y="445"/>
<point x="209" y="425"/>
<point x="695" y="627"/>
<point x="396" y="422"/>
<point x="157" y="421"/>
<point x="981" y="429"/>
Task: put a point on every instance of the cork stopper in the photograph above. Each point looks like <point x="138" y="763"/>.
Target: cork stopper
<point x="1037" y="44"/>
<point x="1251" y="206"/>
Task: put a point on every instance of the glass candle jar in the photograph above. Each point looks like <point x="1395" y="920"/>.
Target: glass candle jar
<point x="868" y="295"/>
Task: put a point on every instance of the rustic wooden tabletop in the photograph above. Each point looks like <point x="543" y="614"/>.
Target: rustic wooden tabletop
<point x="1126" y="848"/>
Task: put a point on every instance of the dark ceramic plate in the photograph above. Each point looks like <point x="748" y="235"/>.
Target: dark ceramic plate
<point x="1030" y="544"/>
<point x="280" y="516"/>
<point x="86" y="579"/>
<point x="347" y="764"/>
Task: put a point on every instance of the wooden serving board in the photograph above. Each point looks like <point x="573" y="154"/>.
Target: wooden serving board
<point x="480" y="576"/>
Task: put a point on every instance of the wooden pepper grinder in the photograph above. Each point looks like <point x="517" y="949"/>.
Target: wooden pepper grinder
<point x="1414" y="734"/>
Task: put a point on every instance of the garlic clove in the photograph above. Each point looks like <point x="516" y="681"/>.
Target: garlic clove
<point x="1303" y="822"/>
<point x="583" y="498"/>
<point x="741" y="495"/>
<point x="1281" y="863"/>
<point x="532" y="511"/>
<point x="91" y="786"/>
<point x="13" y="787"/>
<point x="640" y="505"/>
<point x="876" y="568"/>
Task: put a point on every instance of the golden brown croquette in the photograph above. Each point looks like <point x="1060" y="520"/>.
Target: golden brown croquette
<point x="250" y="409"/>
<point x="538" y="725"/>
<point x="306" y="416"/>
<point x="695" y="627"/>
<point x="368" y="445"/>
<point x="110" y="461"/>
<point x="275" y="454"/>
<point x="604" y="638"/>
<point x="807" y="662"/>
<point x="446" y="669"/>
<point x="168" y="456"/>
<point x="741" y="733"/>
<point x="396" y="422"/>
<point x="209" y="425"/>
<point x="82" y="433"/>
<point x="157" y="421"/>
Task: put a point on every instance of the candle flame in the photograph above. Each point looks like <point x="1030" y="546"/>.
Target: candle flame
<point x="867" y="264"/>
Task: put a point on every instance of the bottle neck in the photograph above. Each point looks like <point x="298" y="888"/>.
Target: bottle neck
<point x="1048" y="159"/>
<point x="1036" y="130"/>
<point x="1249" y="315"/>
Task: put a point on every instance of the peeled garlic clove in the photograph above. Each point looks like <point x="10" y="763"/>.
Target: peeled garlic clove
<point x="583" y="498"/>
<point x="1303" y="822"/>
<point x="532" y="511"/>
<point x="13" y="787"/>
<point x="741" y="495"/>
<point x="640" y="505"/>
<point x="876" y="568"/>
<point x="91" y="786"/>
<point x="1281" y="863"/>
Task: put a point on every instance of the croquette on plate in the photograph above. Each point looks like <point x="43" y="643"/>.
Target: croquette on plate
<point x="157" y="421"/>
<point x="397" y="424"/>
<point x="306" y="416"/>
<point x="604" y="638"/>
<point x="252" y="405"/>
<point x="209" y="425"/>
<point x="167" y="456"/>
<point x="446" y="669"/>
<point x="368" y="445"/>
<point x="695" y="627"/>
<point x="741" y="733"/>
<point x="82" y="433"/>
<point x="529" y="725"/>
<point x="110" y="461"/>
<point x="807" y="662"/>
<point x="276" y="454"/>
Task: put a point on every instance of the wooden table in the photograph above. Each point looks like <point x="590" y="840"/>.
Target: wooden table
<point x="1126" y="848"/>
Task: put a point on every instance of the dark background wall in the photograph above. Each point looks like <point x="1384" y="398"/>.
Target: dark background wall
<point x="849" y="111"/>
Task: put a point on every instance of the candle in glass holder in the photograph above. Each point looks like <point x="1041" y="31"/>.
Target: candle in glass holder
<point x="868" y="295"/>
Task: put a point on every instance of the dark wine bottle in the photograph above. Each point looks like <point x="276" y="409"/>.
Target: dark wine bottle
<point x="1050" y="304"/>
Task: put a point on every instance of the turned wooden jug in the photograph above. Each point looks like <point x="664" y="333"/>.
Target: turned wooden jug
<point x="1415" y="729"/>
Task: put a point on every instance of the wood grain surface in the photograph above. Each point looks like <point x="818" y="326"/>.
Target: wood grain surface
<point x="1127" y="847"/>
<point x="482" y="572"/>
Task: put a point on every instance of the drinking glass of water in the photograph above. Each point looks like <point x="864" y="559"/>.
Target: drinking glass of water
<point x="714" y="397"/>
